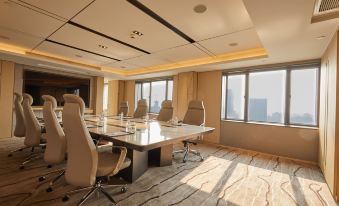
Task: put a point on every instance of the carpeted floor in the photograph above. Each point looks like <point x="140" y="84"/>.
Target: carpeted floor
<point x="226" y="177"/>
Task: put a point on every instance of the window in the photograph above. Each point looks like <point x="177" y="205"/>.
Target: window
<point x="266" y="101"/>
<point x="105" y="100"/>
<point x="288" y="95"/>
<point x="304" y="96"/>
<point x="235" y="96"/>
<point x="155" y="92"/>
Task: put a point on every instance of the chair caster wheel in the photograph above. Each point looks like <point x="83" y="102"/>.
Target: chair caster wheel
<point x="65" y="198"/>
<point x="184" y="161"/>
<point x="10" y="155"/>
<point x="49" y="166"/>
<point x="20" y="150"/>
<point x="49" y="189"/>
<point x="41" y="179"/>
<point x="22" y="167"/>
<point x="123" y="189"/>
<point x="202" y="159"/>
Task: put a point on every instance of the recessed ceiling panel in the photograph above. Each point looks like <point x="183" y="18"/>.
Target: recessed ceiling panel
<point x="218" y="17"/>
<point x="78" y="56"/>
<point x="18" y="38"/>
<point x="247" y="39"/>
<point x="181" y="53"/>
<point x="147" y="60"/>
<point x="19" y="18"/>
<point x="80" y="38"/>
<point x="119" y="19"/>
<point x="121" y="65"/>
<point x="63" y="8"/>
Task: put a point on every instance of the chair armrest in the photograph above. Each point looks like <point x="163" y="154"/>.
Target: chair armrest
<point x="123" y="153"/>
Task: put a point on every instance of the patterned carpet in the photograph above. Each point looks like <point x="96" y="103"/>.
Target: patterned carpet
<point x="228" y="176"/>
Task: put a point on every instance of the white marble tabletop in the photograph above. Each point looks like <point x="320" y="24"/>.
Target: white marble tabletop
<point x="148" y="135"/>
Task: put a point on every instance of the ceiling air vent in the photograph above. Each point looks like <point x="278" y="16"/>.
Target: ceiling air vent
<point x="325" y="10"/>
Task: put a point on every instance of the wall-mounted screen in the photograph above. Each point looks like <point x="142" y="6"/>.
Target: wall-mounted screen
<point x="40" y="83"/>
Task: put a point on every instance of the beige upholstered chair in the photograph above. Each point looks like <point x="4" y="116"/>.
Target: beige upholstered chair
<point x="33" y="135"/>
<point x="19" y="130"/>
<point x="123" y="108"/>
<point x="56" y="142"/>
<point x="195" y="115"/>
<point x="166" y="111"/>
<point x="84" y="162"/>
<point x="142" y="109"/>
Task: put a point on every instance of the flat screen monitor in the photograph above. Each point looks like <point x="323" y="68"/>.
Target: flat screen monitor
<point x="40" y="83"/>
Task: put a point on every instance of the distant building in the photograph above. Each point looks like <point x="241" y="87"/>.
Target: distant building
<point x="257" y="109"/>
<point x="155" y="107"/>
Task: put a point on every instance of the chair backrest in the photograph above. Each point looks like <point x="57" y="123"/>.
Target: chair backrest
<point x="19" y="130"/>
<point x="166" y="111"/>
<point x="82" y="157"/>
<point x="123" y="108"/>
<point x="195" y="114"/>
<point x="33" y="128"/>
<point x="142" y="109"/>
<point x="56" y="141"/>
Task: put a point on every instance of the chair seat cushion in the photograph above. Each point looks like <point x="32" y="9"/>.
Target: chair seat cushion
<point x="107" y="162"/>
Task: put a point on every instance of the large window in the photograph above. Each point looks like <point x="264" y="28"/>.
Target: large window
<point x="288" y="95"/>
<point x="155" y="92"/>
<point x="266" y="102"/>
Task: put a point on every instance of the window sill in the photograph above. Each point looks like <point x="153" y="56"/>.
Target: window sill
<point x="273" y="124"/>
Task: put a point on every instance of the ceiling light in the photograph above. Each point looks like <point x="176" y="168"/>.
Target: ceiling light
<point x="102" y="46"/>
<point x="122" y="67"/>
<point x="78" y="55"/>
<point x="320" y="37"/>
<point x="233" y="44"/>
<point x="137" y="33"/>
<point x="200" y="8"/>
<point x="4" y="37"/>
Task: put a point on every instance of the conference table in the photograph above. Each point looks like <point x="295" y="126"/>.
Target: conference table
<point x="150" y="144"/>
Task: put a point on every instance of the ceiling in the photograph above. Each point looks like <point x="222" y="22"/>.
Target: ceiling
<point x="101" y="36"/>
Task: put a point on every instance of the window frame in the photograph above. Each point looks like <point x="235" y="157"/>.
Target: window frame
<point x="287" y="107"/>
<point x="149" y="81"/>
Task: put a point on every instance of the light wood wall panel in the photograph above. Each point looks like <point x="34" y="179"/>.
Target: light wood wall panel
<point x="113" y="97"/>
<point x="6" y="98"/>
<point x="328" y="121"/>
<point x="98" y="95"/>
<point x="209" y="91"/>
<point x="185" y="90"/>
<point x="129" y="95"/>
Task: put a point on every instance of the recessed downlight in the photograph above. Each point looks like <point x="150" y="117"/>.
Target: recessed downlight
<point x="233" y="44"/>
<point x="135" y="34"/>
<point x="320" y="37"/>
<point x="122" y="67"/>
<point x="102" y="46"/>
<point x="200" y="8"/>
<point x="78" y="55"/>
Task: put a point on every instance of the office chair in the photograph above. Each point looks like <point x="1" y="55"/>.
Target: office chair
<point x="195" y="115"/>
<point x="56" y="142"/>
<point x="123" y="108"/>
<point x="33" y="135"/>
<point x="166" y="111"/>
<point x="142" y="109"/>
<point x="85" y="164"/>
<point x="19" y="130"/>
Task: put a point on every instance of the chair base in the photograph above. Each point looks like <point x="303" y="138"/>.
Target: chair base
<point x="31" y="157"/>
<point x="97" y="187"/>
<point x="187" y="150"/>
<point x="18" y="150"/>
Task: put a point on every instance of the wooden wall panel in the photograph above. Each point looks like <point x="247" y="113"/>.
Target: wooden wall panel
<point x="186" y="90"/>
<point x="328" y="114"/>
<point x="209" y="91"/>
<point x="113" y="97"/>
<point x="6" y="98"/>
<point x="98" y="95"/>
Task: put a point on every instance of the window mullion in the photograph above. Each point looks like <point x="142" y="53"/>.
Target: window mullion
<point x="226" y="93"/>
<point x="149" y="97"/>
<point x="246" y="97"/>
<point x="288" y="97"/>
